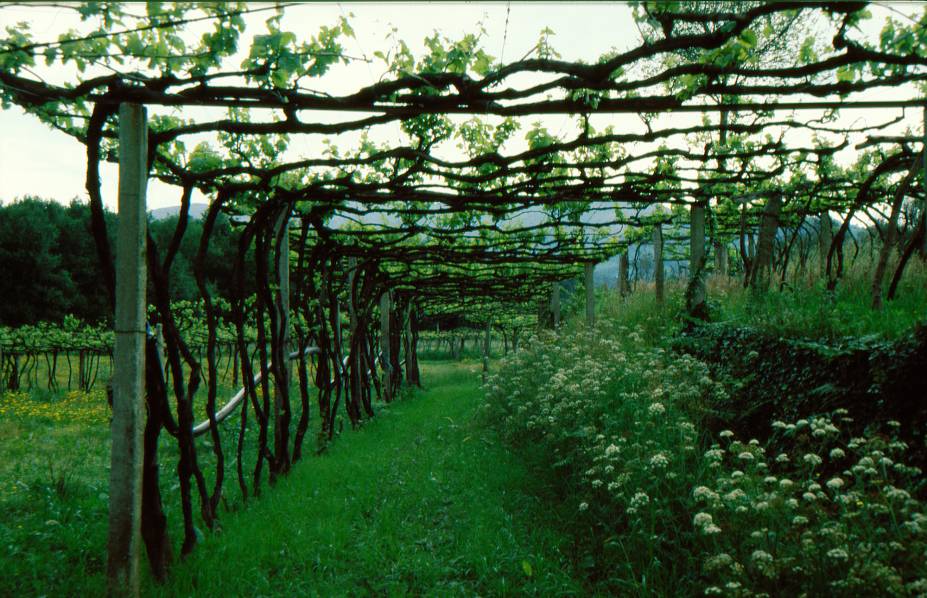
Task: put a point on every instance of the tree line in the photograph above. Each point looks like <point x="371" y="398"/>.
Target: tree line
<point x="49" y="265"/>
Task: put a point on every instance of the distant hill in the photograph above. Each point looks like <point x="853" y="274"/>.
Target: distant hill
<point x="196" y="211"/>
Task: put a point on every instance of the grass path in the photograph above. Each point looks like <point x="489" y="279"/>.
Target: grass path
<point x="423" y="501"/>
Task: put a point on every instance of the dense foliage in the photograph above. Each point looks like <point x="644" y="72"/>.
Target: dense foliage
<point x="49" y="262"/>
<point x="665" y="507"/>
<point x="780" y="378"/>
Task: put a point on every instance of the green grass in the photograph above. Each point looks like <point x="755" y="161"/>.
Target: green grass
<point x="421" y="501"/>
<point x="54" y="460"/>
<point x="424" y="499"/>
<point x="53" y="507"/>
<point x="813" y="313"/>
<point x="801" y="309"/>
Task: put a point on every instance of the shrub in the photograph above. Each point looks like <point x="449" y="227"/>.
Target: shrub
<point x="828" y="516"/>
<point x="662" y="508"/>
<point x="615" y="422"/>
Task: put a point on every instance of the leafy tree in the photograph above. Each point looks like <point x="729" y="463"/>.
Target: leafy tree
<point x="79" y="259"/>
<point x="36" y="286"/>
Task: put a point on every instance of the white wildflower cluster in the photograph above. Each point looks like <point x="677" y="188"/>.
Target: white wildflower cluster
<point x="764" y="562"/>
<point x="766" y="517"/>
<point x="838" y="554"/>
<point x="826" y="505"/>
<point x="822" y="427"/>
<point x="638" y="501"/>
<point x="722" y="561"/>
<point x="812" y="459"/>
<point x="609" y="411"/>
<point x="704" y="523"/>
<point x="835" y="484"/>
<point x="704" y="494"/>
<point x="659" y="461"/>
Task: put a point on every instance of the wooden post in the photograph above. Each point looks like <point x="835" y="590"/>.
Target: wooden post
<point x="555" y="303"/>
<point x="658" y="273"/>
<point x="125" y="479"/>
<point x="588" y="271"/>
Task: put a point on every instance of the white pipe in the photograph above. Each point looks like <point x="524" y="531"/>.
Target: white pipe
<point x="227" y="409"/>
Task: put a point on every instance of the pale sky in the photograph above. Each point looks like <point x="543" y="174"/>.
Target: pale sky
<point x="36" y="160"/>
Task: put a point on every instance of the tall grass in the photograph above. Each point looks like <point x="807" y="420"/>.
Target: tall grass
<point x="803" y="308"/>
<point x="806" y="309"/>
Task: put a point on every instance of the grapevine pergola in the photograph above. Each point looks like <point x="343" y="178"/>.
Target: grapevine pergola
<point x="740" y="126"/>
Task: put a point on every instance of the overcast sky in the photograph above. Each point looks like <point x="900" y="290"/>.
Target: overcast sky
<point x="36" y="160"/>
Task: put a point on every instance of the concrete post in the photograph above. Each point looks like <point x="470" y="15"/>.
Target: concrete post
<point x="407" y="344"/>
<point x="555" y="303"/>
<point x="384" y="340"/>
<point x="761" y="274"/>
<point x="720" y="248"/>
<point x="696" y="255"/>
<point x="125" y="479"/>
<point x="588" y="271"/>
<point x="924" y="184"/>
<point x="658" y="272"/>
<point x="624" y="276"/>
<point x="487" y="339"/>
<point x="281" y="432"/>
<point x="354" y="382"/>
<point x="825" y="238"/>
<point x="283" y="266"/>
